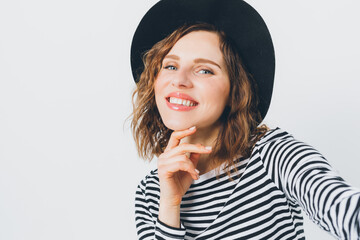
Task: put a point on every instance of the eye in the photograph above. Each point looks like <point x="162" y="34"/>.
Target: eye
<point x="205" y="71"/>
<point x="170" y="67"/>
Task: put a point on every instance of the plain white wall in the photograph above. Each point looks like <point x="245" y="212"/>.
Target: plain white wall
<point x="68" y="164"/>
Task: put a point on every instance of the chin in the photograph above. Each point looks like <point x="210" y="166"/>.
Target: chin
<point x="176" y="125"/>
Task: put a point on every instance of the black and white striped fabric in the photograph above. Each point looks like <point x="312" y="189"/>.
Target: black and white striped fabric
<point x="263" y="201"/>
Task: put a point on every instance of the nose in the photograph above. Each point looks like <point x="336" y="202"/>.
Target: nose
<point x="182" y="80"/>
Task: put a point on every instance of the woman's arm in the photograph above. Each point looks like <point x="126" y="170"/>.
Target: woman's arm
<point x="175" y="174"/>
<point x="306" y="177"/>
<point x="147" y="223"/>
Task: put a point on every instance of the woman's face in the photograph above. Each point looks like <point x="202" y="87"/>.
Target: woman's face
<point x="192" y="88"/>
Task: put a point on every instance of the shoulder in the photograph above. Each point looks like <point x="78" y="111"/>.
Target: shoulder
<point x="147" y="198"/>
<point x="276" y="137"/>
<point x="283" y="154"/>
<point x="150" y="182"/>
<point x="280" y="144"/>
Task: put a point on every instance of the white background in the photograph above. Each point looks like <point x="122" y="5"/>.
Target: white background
<point x="68" y="164"/>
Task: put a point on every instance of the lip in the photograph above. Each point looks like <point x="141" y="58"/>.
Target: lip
<point x="182" y="96"/>
<point x="178" y="107"/>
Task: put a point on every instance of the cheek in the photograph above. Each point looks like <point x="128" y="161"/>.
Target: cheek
<point x="159" y="91"/>
<point x="219" y="93"/>
<point x="216" y="100"/>
<point x="160" y="82"/>
<point x="157" y="100"/>
<point x="158" y="86"/>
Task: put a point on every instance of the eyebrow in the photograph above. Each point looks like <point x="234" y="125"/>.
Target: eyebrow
<point x="197" y="60"/>
<point x="203" y="60"/>
<point x="172" y="57"/>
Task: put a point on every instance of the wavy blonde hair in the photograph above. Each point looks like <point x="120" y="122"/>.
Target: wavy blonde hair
<point x="239" y="131"/>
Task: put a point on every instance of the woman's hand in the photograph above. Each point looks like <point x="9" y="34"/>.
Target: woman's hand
<point x="176" y="172"/>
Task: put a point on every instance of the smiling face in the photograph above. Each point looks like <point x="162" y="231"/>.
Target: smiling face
<point x="192" y="88"/>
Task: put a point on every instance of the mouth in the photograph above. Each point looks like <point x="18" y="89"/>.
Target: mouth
<point x="181" y="102"/>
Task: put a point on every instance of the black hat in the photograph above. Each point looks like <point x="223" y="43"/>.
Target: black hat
<point x="241" y="23"/>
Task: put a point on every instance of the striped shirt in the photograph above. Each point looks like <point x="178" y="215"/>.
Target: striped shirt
<point x="263" y="201"/>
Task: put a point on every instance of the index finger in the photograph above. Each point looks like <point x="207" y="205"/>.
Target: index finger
<point x="176" y="136"/>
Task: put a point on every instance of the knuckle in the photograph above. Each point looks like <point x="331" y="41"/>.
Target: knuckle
<point x="163" y="156"/>
<point x="183" y="158"/>
<point x="173" y="134"/>
<point x="180" y="165"/>
<point x="186" y="163"/>
<point x="184" y="146"/>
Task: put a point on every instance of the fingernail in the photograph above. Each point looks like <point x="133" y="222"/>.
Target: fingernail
<point x="197" y="171"/>
<point x="208" y="147"/>
<point x="192" y="128"/>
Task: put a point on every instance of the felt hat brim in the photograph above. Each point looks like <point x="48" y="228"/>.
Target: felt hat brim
<point x="241" y="23"/>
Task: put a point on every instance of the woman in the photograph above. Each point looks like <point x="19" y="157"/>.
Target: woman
<point x="205" y="86"/>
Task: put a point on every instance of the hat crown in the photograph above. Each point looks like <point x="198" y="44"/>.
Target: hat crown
<point x="240" y="22"/>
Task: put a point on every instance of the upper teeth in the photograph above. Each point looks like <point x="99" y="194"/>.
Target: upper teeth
<point x="182" y="101"/>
